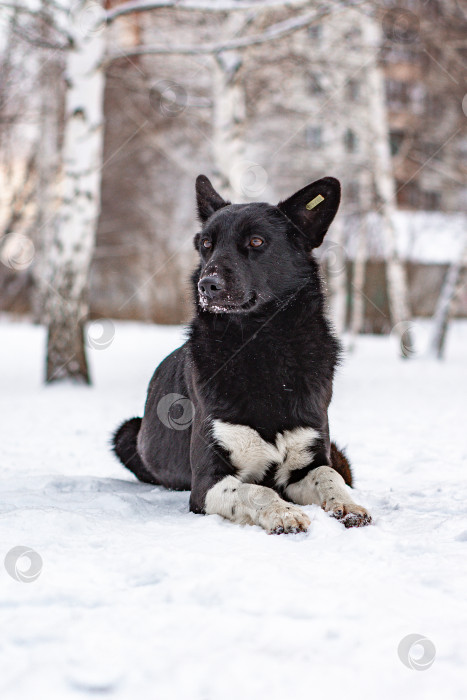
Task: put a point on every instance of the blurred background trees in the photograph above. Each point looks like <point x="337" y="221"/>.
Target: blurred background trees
<point x="108" y="113"/>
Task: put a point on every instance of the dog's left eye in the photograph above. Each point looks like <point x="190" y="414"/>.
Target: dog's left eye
<point x="256" y="242"/>
<point x="207" y="243"/>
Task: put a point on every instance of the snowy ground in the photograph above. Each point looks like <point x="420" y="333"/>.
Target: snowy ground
<point x="138" y="598"/>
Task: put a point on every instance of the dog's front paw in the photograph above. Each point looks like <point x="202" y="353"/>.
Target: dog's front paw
<point x="349" y="514"/>
<point x="282" y="518"/>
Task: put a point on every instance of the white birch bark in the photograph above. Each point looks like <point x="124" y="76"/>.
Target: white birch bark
<point x="358" y="282"/>
<point x="385" y="186"/>
<point x="48" y="158"/>
<point x="445" y="304"/>
<point x="228" y="118"/>
<point x="337" y="276"/>
<point x="74" y="225"/>
<point x="359" y="268"/>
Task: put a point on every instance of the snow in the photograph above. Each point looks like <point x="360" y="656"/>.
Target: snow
<point x="139" y="598"/>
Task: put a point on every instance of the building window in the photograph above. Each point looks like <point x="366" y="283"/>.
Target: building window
<point x="350" y="141"/>
<point x="398" y="94"/>
<point x="395" y="140"/>
<point x="409" y="195"/>
<point x="315" y="32"/>
<point x="314" y="136"/>
<point x="428" y="150"/>
<point x="412" y="196"/>
<point x="314" y="85"/>
<point x="353" y="193"/>
<point x="434" y="106"/>
<point x="432" y="200"/>
<point x="353" y="90"/>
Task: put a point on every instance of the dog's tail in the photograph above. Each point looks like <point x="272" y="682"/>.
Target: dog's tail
<point x="341" y="464"/>
<point x="124" y="446"/>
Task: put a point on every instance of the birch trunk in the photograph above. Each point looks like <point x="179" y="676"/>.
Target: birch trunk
<point x="337" y="276"/>
<point x="445" y="305"/>
<point x="228" y="118"/>
<point x="385" y="187"/>
<point x="74" y="225"/>
<point x="359" y="268"/>
<point x="48" y="158"/>
<point x="358" y="283"/>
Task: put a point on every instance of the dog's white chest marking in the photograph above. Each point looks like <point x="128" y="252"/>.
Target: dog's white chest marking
<point x="252" y="456"/>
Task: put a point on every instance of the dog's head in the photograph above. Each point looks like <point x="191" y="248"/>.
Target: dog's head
<point x="254" y="253"/>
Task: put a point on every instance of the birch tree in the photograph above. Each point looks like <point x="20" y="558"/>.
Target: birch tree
<point x="48" y="165"/>
<point x="74" y="224"/>
<point x="360" y="260"/>
<point x="337" y="276"/>
<point x="444" y="308"/>
<point x="385" y="185"/>
<point x="228" y="118"/>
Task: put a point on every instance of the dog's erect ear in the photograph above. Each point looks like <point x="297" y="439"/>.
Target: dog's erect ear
<point x="313" y="208"/>
<point x="207" y="198"/>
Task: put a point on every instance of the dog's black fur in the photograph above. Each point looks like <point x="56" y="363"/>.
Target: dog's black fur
<point x="260" y="350"/>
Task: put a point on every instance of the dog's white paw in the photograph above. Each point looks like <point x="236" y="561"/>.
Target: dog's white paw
<point x="282" y="517"/>
<point x="349" y="513"/>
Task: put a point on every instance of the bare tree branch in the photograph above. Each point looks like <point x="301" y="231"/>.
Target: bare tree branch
<point x="201" y="5"/>
<point x="56" y="7"/>
<point x="275" y="31"/>
<point x="40" y="17"/>
<point x="37" y="41"/>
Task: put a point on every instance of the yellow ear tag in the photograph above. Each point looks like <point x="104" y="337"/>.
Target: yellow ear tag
<point x="314" y="202"/>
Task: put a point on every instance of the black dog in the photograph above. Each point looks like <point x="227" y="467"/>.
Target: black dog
<point x="238" y="414"/>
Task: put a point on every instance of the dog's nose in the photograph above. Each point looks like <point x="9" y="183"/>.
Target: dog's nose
<point x="211" y="286"/>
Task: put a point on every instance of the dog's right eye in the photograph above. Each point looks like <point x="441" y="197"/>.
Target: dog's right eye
<point x="206" y="243"/>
